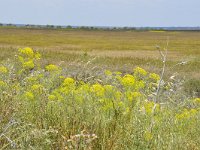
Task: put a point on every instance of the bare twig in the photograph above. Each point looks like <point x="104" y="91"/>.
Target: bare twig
<point x="164" y="58"/>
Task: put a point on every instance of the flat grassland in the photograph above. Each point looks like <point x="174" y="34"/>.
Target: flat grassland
<point x="115" y="50"/>
<point x="97" y="96"/>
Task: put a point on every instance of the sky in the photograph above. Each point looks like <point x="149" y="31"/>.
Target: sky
<point x="132" y="13"/>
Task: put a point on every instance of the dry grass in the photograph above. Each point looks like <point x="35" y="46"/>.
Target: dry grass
<point x="98" y="40"/>
<point x="117" y="50"/>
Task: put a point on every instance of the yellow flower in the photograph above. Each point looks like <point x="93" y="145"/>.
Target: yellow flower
<point x="149" y="107"/>
<point x="139" y="71"/>
<point x="193" y="112"/>
<point x="139" y="85"/>
<point x="127" y="111"/>
<point x="108" y="73"/>
<point x="186" y="114"/>
<point x="132" y="95"/>
<point x="52" y="68"/>
<point x="58" y="95"/>
<point x="69" y="82"/>
<point x="2" y="83"/>
<point x="118" y="95"/>
<point x="21" y="59"/>
<point x="29" y="95"/>
<point x="84" y="88"/>
<point x="3" y="69"/>
<point x="136" y="94"/>
<point x="27" y="51"/>
<point x="121" y="104"/>
<point x="37" y="87"/>
<point x="148" y="136"/>
<point x="128" y="80"/>
<point x="51" y="97"/>
<point x="154" y="76"/>
<point x="118" y="73"/>
<point x="109" y="88"/>
<point x="37" y="55"/>
<point x="197" y="101"/>
<point x="29" y="64"/>
<point x="98" y="89"/>
<point x="61" y="77"/>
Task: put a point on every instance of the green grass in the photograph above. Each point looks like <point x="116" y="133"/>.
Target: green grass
<point x="82" y="106"/>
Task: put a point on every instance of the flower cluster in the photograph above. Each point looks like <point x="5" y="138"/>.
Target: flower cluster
<point x="52" y="68"/>
<point x="28" y="57"/>
<point x="186" y="114"/>
<point x="3" y="70"/>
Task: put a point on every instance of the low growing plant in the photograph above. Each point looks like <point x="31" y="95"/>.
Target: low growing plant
<point x="42" y="108"/>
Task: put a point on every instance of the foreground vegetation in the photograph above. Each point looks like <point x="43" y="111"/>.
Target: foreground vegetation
<point x="53" y="107"/>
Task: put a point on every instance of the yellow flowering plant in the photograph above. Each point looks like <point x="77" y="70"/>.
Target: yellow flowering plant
<point x="120" y="108"/>
<point x="52" y="68"/>
<point x="3" y="70"/>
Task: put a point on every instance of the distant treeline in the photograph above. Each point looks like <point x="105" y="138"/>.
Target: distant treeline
<point x="99" y="27"/>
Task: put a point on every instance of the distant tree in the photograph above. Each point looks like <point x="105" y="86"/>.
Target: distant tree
<point x="59" y="27"/>
<point x="40" y="26"/>
<point x="82" y="27"/>
<point x="27" y="25"/>
<point x="9" y="24"/>
<point x="125" y="28"/>
<point x="69" y="27"/>
<point x="132" y="28"/>
<point x="50" y="26"/>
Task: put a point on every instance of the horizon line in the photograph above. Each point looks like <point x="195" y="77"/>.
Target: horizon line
<point x="98" y="26"/>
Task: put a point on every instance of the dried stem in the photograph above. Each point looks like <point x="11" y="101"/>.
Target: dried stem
<point x="164" y="58"/>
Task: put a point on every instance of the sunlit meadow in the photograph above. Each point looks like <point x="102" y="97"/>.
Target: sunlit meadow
<point x="52" y="107"/>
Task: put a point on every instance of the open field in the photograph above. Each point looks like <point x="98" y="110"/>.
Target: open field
<point x="87" y="90"/>
<point x="113" y="49"/>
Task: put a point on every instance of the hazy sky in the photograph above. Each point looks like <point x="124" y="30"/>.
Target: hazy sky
<point x="102" y="12"/>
